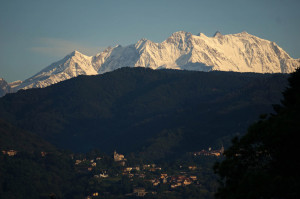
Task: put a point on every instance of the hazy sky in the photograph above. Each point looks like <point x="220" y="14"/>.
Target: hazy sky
<point x="35" y="33"/>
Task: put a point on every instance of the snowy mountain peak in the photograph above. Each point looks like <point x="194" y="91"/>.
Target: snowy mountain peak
<point x="141" y="42"/>
<point x="245" y="33"/>
<point x="179" y="39"/>
<point x="217" y="34"/>
<point x="241" y="52"/>
<point x="76" y="53"/>
<point x="72" y="65"/>
<point x="181" y="35"/>
<point x="201" y="35"/>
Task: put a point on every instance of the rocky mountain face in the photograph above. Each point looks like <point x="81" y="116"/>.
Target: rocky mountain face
<point x="240" y="52"/>
<point x="4" y="87"/>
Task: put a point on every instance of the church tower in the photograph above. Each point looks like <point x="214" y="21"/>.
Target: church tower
<point x="222" y="149"/>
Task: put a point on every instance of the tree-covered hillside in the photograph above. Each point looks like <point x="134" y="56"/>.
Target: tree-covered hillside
<point x="32" y="168"/>
<point x="265" y="162"/>
<point x="136" y="109"/>
<point x="17" y="139"/>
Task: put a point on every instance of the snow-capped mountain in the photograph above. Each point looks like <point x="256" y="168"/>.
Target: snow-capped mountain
<point x="15" y="83"/>
<point x="4" y="87"/>
<point x="240" y="52"/>
<point x="71" y="66"/>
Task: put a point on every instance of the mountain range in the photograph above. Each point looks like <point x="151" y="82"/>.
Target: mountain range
<point x="241" y="52"/>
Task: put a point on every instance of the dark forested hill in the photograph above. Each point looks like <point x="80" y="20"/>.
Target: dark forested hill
<point x="138" y="109"/>
<point x="13" y="138"/>
<point x="35" y="169"/>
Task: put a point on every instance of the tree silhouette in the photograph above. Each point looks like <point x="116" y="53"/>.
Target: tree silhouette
<point x="265" y="162"/>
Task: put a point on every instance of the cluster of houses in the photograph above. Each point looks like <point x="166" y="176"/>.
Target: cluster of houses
<point x="175" y="180"/>
<point x="145" y="167"/>
<point x="139" y="191"/>
<point x="95" y="194"/>
<point x="144" y="171"/>
<point x="210" y="152"/>
<point x="181" y="180"/>
<point x="90" y="163"/>
<point x="10" y="152"/>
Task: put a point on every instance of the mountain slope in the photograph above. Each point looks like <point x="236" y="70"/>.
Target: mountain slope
<point x="240" y="52"/>
<point x="71" y="66"/>
<point x="133" y="109"/>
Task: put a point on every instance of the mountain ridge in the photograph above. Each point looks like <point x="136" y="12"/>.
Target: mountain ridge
<point x="240" y="52"/>
<point x="131" y="108"/>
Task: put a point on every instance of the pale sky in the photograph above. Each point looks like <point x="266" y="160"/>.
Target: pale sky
<point x="36" y="33"/>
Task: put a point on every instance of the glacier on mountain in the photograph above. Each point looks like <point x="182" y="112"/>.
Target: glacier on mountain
<point x="241" y="52"/>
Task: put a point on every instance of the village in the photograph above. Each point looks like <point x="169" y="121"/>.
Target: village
<point x="210" y="152"/>
<point x="143" y="179"/>
<point x="148" y="173"/>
